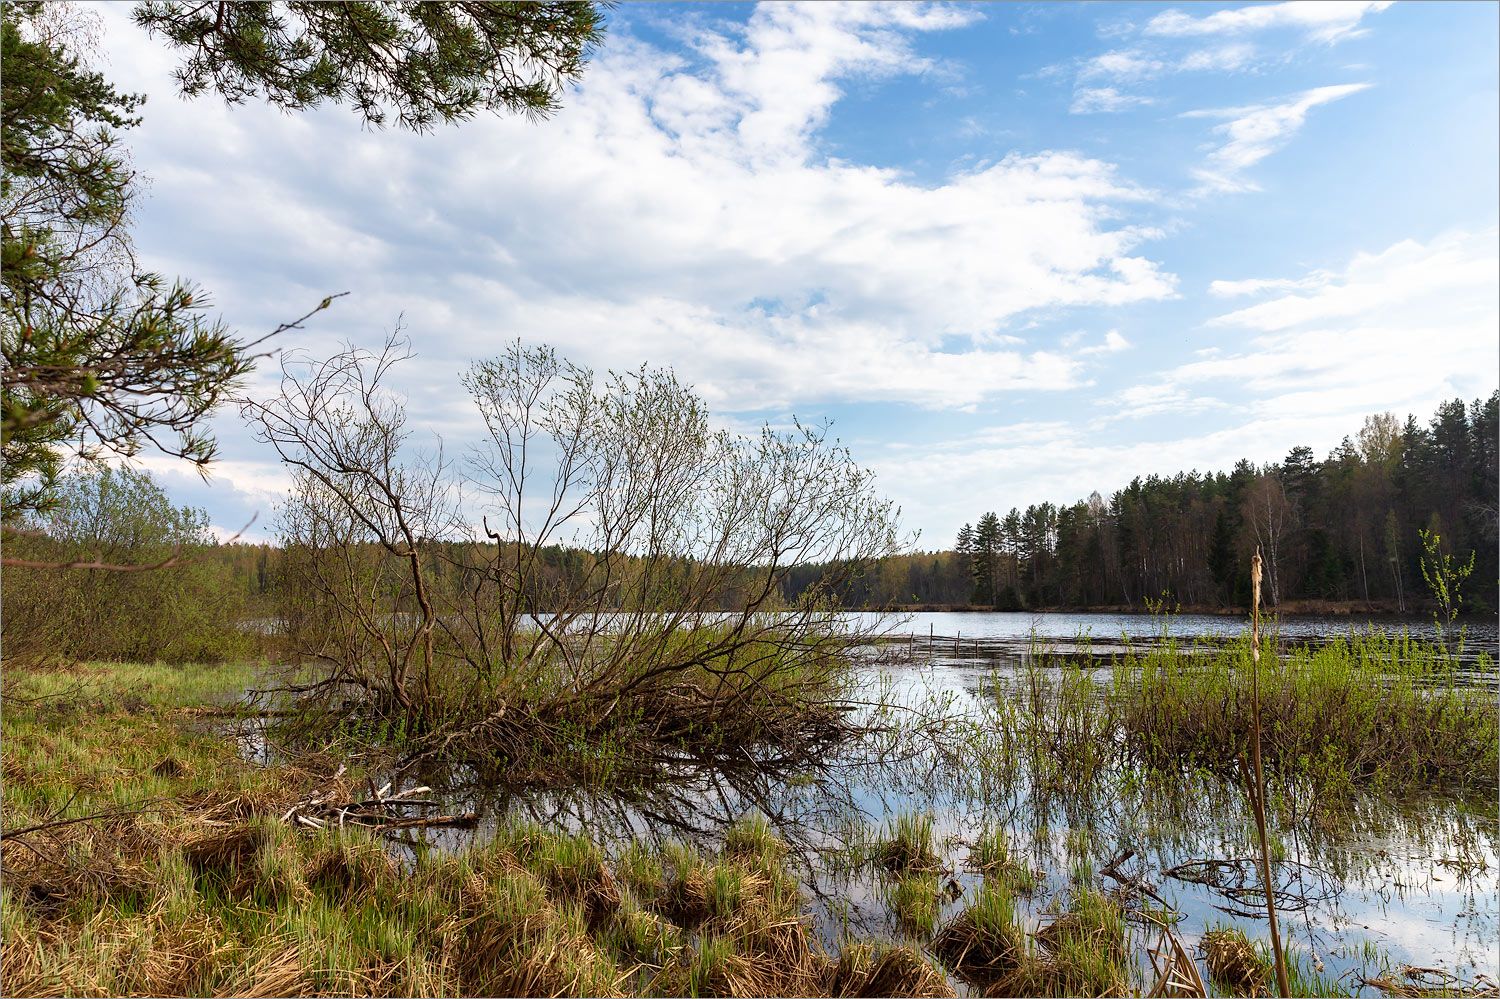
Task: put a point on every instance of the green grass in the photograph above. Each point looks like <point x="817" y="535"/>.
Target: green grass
<point x="992" y="856"/>
<point x="916" y="900"/>
<point x="1370" y="709"/>
<point x="907" y="845"/>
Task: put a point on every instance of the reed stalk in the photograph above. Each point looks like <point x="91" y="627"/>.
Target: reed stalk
<point x="1258" y="786"/>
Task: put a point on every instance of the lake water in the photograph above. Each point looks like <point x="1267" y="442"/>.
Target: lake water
<point x="1410" y="878"/>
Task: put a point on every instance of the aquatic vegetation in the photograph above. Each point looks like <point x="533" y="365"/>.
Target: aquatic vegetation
<point x="916" y="899"/>
<point x="984" y="943"/>
<point x="908" y="846"/>
<point x="993" y="858"/>
<point x="1368" y="710"/>
<point x="1233" y="962"/>
<point x="1087" y="949"/>
<point x="864" y="969"/>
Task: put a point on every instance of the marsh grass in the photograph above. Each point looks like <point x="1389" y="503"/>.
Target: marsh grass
<point x="1370" y="709"/>
<point x="1087" y="948"/>
<point x="992" y="857"/>
<point x="1233" y="962"/>
<point x="1367" y="711"/>
<point x="916" y="900"/>
<point x="864" y="969"/>
<point x="985" y="944"/>
<point x="907" y="845"/>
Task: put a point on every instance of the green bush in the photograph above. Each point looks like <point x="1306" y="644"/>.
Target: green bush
<point x="184" y="612"/>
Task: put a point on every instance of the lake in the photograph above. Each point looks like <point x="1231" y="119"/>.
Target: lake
<point x="1408" y="878"/>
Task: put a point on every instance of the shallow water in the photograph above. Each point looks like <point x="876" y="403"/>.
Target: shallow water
<point x="1414" y="876"/>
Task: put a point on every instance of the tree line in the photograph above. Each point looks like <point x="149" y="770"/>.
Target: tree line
<point x="1343" y="529"/>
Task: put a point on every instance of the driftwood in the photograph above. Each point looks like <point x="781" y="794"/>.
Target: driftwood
<point x="1410" y="982"/>
<point x="1132" y="886"/>
<point x="381" y="810"/>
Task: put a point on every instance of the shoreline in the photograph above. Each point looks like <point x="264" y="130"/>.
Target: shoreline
<point x="1291" y="608"/>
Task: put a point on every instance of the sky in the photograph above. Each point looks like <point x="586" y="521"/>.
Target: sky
<point x="1014" y="252"/>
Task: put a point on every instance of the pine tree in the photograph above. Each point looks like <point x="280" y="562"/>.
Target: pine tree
<point x="984" y="561"/>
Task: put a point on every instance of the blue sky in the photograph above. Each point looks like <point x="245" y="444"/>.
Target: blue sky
<point x="1016" y="252"/>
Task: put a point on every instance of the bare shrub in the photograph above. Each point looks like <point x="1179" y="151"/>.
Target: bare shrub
<point x="623" y="580"/>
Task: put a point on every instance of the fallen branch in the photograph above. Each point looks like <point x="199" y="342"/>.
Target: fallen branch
<point x="109" y="814"/>
<point x="381" y="810"/>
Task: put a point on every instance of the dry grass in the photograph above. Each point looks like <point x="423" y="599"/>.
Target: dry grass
<point x="1233" y="962"/>
<point x="1409" y="982"/>
<point x="984" y="944"/>
<point x="866" y="970"/>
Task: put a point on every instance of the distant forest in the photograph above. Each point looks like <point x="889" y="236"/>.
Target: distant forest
<point x="1344" y="529"/>
<point x="1341" y="530"/>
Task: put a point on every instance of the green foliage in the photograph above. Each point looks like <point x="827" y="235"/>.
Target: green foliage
<point x="1321" y="716"/>
<point x="1342" y="529"/>
<point x="1444" y="579"/>
<point x="181" y="613"/>
<point x="98" y="355"/>
<point x="427" y="62"/>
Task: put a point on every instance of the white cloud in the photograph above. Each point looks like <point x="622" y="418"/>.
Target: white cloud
<point x="1255" y="132"/>
<point x="1155" y="399"/>
<point x="1403" y="329"/>
<point x="1113" y="344"/>
<point x="1410" y="326"/>
<point x="1253" y="286"/>
<point x="678" y="210"/>
<point x="1321" y="20"/>
<point x="1223" y="58"/>
<point x="1122" y="64"/>
<point x="1105" y="100"/>
<point x="1449" y="280"/>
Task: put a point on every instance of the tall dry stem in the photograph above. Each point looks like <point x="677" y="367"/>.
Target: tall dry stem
<point x="1258" y="786"/>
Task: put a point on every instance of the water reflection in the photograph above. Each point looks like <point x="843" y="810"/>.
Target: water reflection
<point x="1417" y="875"/>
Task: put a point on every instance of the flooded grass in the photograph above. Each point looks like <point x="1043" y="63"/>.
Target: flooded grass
<point x="1370" y="709"/>
<point x="1008" y="835"/>
<point x="992" y="857"/>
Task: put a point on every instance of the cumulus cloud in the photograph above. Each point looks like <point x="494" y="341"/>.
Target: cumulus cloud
<point x="1254" y="132"/>
<point x="678" y="210"/>
<point x="1113" y="343"/>
<point x="1402" y="329"/>
<point x="1321" y="20"/>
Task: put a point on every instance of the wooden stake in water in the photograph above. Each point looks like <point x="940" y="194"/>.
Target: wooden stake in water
<point x="1258" y="790"/>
